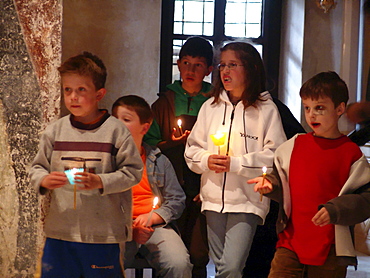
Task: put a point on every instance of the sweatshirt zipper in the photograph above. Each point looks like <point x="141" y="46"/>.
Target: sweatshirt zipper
<point x="227" y="153"/>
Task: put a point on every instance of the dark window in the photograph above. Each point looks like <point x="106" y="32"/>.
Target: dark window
<point x="220" y="21"/>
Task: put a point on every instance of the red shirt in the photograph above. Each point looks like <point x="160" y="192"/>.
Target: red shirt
<point x="319" y="167"/>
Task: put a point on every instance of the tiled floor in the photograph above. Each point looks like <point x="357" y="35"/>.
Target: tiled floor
<point x="363" y="269"/>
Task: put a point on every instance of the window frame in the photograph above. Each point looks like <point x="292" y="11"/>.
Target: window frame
<point x="270" y="39"/>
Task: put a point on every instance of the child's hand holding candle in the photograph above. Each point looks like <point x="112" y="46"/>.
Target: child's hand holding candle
<point x="183" y="133"/>
<point x="262" y="185"/>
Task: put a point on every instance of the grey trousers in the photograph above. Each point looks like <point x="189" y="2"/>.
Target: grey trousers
<point x="230" y="237"/>
<point x="165" y="251"/>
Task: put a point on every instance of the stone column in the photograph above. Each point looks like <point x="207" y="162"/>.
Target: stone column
<point x="30" y="51"/>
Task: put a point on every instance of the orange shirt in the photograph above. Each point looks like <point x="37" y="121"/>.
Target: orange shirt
<point x="142" y="193"/>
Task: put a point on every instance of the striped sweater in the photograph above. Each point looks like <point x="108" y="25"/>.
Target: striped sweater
<point x="107" y="148"/>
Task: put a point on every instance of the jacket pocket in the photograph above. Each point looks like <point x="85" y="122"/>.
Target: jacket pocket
<point x="158" y="180"/>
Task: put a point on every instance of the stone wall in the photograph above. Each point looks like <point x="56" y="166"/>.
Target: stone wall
<point x="314" y="41"/>
<point x="125" y="35"/>
<point x="30" y="48"/>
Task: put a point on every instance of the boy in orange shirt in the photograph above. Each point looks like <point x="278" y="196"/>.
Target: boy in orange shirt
<point x="153" y="230"/>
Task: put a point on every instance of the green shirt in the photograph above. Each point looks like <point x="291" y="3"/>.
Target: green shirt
<point x="184" y="105"/>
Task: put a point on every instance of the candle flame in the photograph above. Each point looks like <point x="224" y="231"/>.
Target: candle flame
<point x="179" y="122"/>
<point x="219" y="138"/>
<point x="70" y="173"/>
<point x="264" y="169"/>
<point x="155" y="201"/>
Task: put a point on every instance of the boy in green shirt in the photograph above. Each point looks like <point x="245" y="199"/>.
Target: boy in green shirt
<point x="182" y="102"/>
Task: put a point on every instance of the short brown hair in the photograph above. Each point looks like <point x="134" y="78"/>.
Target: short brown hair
<point x="197" y="47"/>
<point x="86" y="64"/>
<point x="137" y="104"/>
<point x="325" y="84"/>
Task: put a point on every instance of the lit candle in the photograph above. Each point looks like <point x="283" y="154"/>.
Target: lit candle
<point x="264" y="169"/>
<point x="179" y="123"/>
<point x="71" y="178"/>
<point x="155" y="202"/>
<point x="218" y="139"/>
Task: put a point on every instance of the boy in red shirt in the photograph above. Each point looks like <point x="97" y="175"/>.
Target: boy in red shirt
<point x="310" y="170"/>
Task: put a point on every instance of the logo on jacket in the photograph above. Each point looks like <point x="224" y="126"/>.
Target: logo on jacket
<point x="249" y="136"/>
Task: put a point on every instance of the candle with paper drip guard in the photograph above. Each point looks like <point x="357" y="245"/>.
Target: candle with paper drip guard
<point x="264" y="169"/>
<point x="218" y="139"/>
<point x="70" y="173"/>
<point x="74" y="166"/>
<point x="179" y="123"/>
<point x="155" y="202"/>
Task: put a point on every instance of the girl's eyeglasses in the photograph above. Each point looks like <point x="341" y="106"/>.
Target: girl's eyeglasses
<point x="231" y="66"/>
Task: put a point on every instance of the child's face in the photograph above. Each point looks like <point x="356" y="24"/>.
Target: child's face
<point x="322" y="116"/>
<point x="81" y="97"/>
<point x="132" y="121"/>
<point x="234" y="80"/>
<point x="192" y="71"/>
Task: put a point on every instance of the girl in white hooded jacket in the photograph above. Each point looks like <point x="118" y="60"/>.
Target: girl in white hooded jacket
<point x="245" y="114"/>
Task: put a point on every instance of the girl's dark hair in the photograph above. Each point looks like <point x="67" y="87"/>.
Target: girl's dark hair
<point x="325" y="84"/>
<point x="255" y="75"/>
<point x="86" y="64"/>
<point x="137" y="104"/>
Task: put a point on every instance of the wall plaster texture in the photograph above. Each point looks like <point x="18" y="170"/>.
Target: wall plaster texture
<point x="125" y="35"/>
<point x="30" y="49"/>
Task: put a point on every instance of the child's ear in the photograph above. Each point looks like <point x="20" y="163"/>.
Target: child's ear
<point x="178" y="64"/>
<point x="210" y="69"/>
<point x="341" y="109"/>
<point x="100" y="94"/>
<point x="146" y="127"/>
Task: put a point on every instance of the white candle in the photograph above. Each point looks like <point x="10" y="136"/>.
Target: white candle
<point x="218" y="139"/>
<point x="179" y="123"/>
<point x="264" y="169"/>
<point x="155" y="202"/>
<point x="70" y="173"/>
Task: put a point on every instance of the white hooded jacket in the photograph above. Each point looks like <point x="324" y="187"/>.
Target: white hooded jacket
<point x="252" y="136"/>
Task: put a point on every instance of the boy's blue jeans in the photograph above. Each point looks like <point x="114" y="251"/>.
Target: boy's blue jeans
<point x="75" y="260"/>
<point x="286" y="264"/>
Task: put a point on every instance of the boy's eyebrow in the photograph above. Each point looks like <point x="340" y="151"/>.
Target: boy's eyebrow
<point x="321" y="102"/>
<point x="131" y="112"/>
<point x="317" y="100"/>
